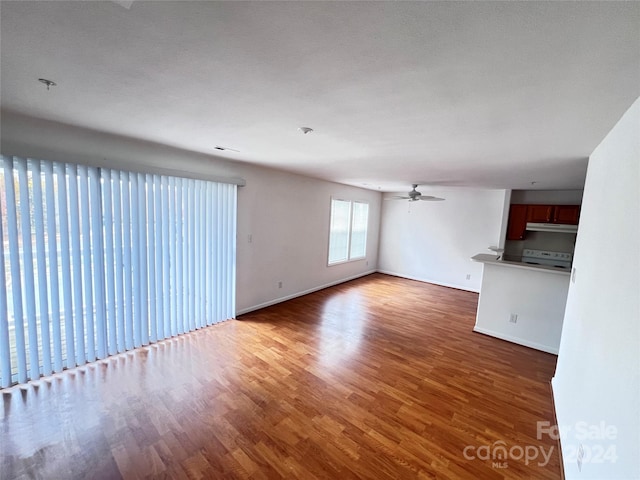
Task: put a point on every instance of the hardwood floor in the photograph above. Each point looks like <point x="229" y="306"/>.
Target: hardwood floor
<point x="380" y="377"/>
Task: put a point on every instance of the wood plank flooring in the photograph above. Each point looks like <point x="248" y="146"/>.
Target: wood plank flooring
<point x="377" y="378"/>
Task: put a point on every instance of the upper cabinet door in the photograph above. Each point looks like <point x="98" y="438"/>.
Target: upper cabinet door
<point x="517" y="222"/>
<point x="539" y="213"/>
<point x="567" y="214"/>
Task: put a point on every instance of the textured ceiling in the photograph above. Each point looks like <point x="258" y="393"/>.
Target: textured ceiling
<point x="489" y="94"/>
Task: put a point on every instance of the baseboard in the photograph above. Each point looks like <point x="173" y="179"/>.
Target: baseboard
<point x="519" y="341"/>
<point x="427" y="280"/>
<point x="555" y="419"/>
<point x="302" y="293"/>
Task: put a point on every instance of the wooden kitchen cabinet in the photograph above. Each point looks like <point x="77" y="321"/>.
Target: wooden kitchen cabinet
<point x="520" y="215"/>
<point x="539" y="213"/>
<point x="566" y="214"/>
<point x="517" y="222"/>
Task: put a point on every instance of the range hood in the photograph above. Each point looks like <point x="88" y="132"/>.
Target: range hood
<point x="551" y="227"/>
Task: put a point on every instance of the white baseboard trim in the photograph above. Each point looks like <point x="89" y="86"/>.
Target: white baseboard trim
<point x="519" y="341"/>
<point x="304" y="292"/>
<point x="427" y="280"/>
<point x="557" y="422"/>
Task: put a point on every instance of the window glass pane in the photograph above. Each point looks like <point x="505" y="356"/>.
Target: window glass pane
<point x="359" y="230"/>
<point x="339" y="231"/>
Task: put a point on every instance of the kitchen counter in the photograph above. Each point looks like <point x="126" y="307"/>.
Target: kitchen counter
<point x="522" y="303"/>
<point x="493" y="259"/>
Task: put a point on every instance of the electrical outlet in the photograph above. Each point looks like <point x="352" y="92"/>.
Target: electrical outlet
<point x="579" y="457"/>
<point x="513" y="318"/>
<point x="573" y="275"/>
<point x="468" y="276"/>
<point x="279" y="284"/>
<point x="250" y="238"/>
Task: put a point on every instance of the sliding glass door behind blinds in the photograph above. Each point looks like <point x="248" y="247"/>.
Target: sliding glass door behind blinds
<point x="98" y="261"/>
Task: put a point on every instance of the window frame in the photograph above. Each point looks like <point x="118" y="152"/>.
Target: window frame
<point x="349" y="258"/>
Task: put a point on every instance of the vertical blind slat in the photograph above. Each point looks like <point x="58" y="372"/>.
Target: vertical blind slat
<point x="135" y="259"/>
<point x="142" y="227"/>
<point x="52" y="244"/>
<point x="225" y="243"/>
<point x="207" y="249"/>
<point x="110" y="282"/>
<point x="76" y="264"/>
<point x="172" y="254"/>
<point x="27" y="262"/>
<point x="166" y="320"/>
<point x="41" y="261"/>
<point x="202" y="223"/>
<point x="151" y="256"/>
<point x="217" y="248"/>
<point x="225" y="273"/>
<point x="126" y="248"/>
<point x="192" y="254"/>
<point x="5" y="355"/>
<point x="98" y="266"/>
<point x="16" y="281"/>
<point x="197" y="252"/>
<point x="118" y="242"/>
<point x="186" y="269"/>
<point x="65" y="257"/>
<point x="232" y="252"/>
<point x="159" y="320"/>
<point x="228" y="270"/>
<point x="87" y="271"/>
<point x="178" y="256"/>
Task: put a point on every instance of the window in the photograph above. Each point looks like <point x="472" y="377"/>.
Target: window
<point x="348" y="231"/>
<point x="96" y="261"/>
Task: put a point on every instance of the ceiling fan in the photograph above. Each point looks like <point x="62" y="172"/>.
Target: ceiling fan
<point x="414" y="195"/>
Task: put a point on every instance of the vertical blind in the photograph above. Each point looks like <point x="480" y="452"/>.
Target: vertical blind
<point x="97" y="261"/>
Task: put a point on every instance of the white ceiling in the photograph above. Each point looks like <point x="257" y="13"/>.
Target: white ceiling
<point x="484" y="94"/>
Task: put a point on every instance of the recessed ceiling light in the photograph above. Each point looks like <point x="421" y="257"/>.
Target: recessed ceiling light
<point x="305" y="130"/>
<point x="48" y="83"/>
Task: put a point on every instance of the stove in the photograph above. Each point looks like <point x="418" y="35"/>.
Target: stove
<point x="543" y="257"/>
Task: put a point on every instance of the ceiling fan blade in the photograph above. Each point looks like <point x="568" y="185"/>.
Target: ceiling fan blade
<point x="430" y="198"/>
<point x="398" y="197"/>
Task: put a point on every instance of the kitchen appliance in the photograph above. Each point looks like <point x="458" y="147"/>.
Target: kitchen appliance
<point x="560" y="260"/>
<point x="551" y="227"/>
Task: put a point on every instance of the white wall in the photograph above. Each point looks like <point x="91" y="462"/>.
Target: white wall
<point x="434" y="241"/>
<point x="598" y="372"/>
<point x="287" y="215"/>
<point x="537" y="297"/>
